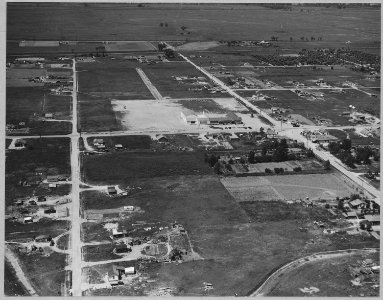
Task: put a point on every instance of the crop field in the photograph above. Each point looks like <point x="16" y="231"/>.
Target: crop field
<point x="330" y="276"/>
<point x="23" y="102"/>
<point x="96" y="114"/>
<point x="59" y="105"/>
<point x="286" y="187"/>
<point x="162" y="77"/>
<point x="287" y="166"/>
<point x="129" y="46"/>
<point x="99" y="252"/>
<point x="111" y="79"/>
<point x="215" y="22"/>
<point x="120" y="167"/>
<point x="17" y="77"/>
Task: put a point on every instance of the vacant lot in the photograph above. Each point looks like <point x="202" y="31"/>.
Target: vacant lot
<point x="99" y="252"/>
<point x="121" y="167"/>
<point x="59" y="105"/>
<point x="287" y="187"/>
<point x="331" y="276"/>
<point x="128" y="141"/>
<point x="46" y="274"/>
<point x="12" y="285"/>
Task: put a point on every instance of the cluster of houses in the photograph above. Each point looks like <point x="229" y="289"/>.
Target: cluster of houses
<point x="319" y="136"/>
<point x="119" y="272"/>
<point x="101" y="146"/>
<point x="19" y="128"/>
<point x="360" y="209"/>
<point x="211" y="119"/>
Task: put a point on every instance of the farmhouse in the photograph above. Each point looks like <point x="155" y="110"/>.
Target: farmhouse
<point x="162" y="139"/>
<point x="118" y="147"/>
<point x="120" y="270"/>
<point x="48" y="116"/>
<point x="52" y="178"/>
<point x="357" y="203"/>
<point x="28" y="220"/>
<point x="350" y="215"/>
<point x="20" y="143"/>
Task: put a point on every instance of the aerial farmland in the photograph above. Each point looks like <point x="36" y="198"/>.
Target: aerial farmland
<point x="192" y="149"/>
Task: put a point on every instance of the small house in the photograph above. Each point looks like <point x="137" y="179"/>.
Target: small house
<point x="43" y="238"/>
<point x="129" y="208"/>
<point x="49" y="211"/>
<point x="357" y="203"/>
<point x="270" y="132"/>
<point x="118" y="147"/>
<point x="41" y="199"/>
<point x="119" y="234"/>
<point x="48" y="116"/>
<point x="162" y="139"/>
<point x="114" y="280"/>
<point x="98" y="142"/>
<point x="324" y="139"/>
<point x="112" y="190"/>
<point x="101" y="147"/>
<point x="122" y="248"/>
<point x="28" y="220"/>
<point x="52" y="178"/>
<point x="52" y="185"/>
<point x="120" y="270"/>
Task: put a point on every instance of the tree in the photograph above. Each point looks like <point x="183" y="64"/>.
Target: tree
<point x="354" y="196"/>
<point x="161" y="24"/>
<point x="217" y="168"/>
<point x="169" y="53"/>
<point x="341" y="204"/>
<point x="291" y="39"/>
<point x="346" y="144"/>
<point x="327" y="165"/>
<point x="251" y="157"/>
<point x="166" y="24"/>
<point x="183" y="28"/>
<point x="262" y="131"/>
<point x="334" y="147"/>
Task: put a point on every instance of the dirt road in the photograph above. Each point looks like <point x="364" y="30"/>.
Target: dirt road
<point x="9" y="256"/>
<point x="156" y="94"/>
<point x="273" y="279"/>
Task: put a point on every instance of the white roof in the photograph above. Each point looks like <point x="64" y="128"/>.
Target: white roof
<point x="27" y="218"/>
<point x="129" y="270"/>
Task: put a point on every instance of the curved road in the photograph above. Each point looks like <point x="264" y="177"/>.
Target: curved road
<point x="273" y="279"/>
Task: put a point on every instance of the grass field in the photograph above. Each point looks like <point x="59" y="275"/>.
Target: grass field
<point x="99" y="252"/>
<point x="121" y="167"/>
<point x="330" y="276"/>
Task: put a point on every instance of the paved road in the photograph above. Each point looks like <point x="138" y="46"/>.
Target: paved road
<point x="76" y="256"/>
<point x="274" y="278"/>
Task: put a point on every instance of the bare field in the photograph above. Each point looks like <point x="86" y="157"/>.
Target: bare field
<point x="286" y="187"/>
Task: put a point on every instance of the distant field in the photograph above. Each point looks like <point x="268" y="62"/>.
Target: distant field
<point x="120" y="167"/>
<point x="60" y="106"/>
<point x="205" y="22"/>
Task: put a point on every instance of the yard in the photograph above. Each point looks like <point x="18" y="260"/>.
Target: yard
<point x="130" y="142"/>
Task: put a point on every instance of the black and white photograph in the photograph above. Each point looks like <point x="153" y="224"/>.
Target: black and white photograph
<point x="191" y="148"/>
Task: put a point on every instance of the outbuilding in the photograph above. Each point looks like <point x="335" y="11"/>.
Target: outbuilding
<point x="28" y="220"/>
<point x="122" y="248"/>
<point x="118" y="147"/>
<point x="374" y="219"/>
<point x="357" y="203"/>
<point x="112" y="190"/>
<point x="43" y="238"/>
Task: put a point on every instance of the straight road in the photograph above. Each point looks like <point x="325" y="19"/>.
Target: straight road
<point x="156" y="94"/>
<point x="76" y="255"/>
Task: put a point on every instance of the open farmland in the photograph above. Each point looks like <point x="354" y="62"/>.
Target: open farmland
<point x="163" y="78"/>
<point x="286" y="187"/>
<point x="23" y="102"/>
<point x="119" y="167"/>
<point x="115" y="79"/>
<point x="213" y="21"/>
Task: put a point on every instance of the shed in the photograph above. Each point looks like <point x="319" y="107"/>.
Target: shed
<point x="98" y="141"/>
<point x="324" y="139"/>
<point x="52" y="178"/>
<point x="119" y="234"/>
<point x="52" y="185"/>
<point x="374" y="219"/>
<point x="28" y="220"/>
<point x="161" y="138"/>
<point x="129" y="208"/>
<point x="20" y="143"/>
<point x="350" y="215"/>
<point x="118" y="147"/>
<point x="48" y="116"/>
<point x="112" y="190"/>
